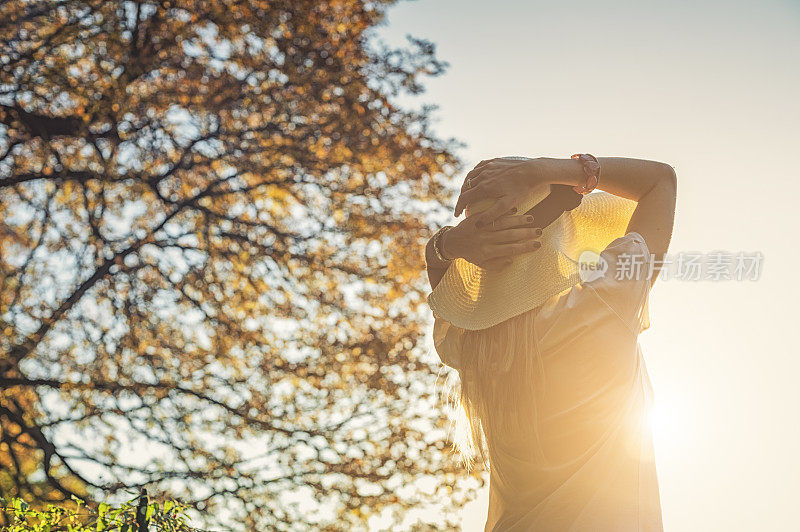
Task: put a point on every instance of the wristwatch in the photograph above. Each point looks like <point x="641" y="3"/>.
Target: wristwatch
<point x="591" y="167"/>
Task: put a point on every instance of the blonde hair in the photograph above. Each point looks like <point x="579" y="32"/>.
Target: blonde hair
<point x="500" y="380"/>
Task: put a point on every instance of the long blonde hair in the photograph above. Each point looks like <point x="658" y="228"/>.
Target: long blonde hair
<point x="500" y="380"/>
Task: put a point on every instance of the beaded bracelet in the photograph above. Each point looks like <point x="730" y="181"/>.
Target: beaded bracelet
<point x="437" y="238"/>
<point x="591" y="167"/>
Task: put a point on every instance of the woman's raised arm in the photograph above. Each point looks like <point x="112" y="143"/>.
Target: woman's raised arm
<point x="650" y="183"/>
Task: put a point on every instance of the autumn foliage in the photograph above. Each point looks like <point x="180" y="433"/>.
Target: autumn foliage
<point x="211" y="221"/>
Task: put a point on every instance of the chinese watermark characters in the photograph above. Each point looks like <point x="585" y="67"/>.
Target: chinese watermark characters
<point x="683" y="266"/>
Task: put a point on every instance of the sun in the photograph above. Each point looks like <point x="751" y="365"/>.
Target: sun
<point x="667" y="426"/>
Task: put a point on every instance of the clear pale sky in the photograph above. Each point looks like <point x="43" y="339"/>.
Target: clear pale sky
<point x="710" y="88"/>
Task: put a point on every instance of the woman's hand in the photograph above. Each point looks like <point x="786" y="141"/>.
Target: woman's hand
<point x="492" y="246"/>
<point x="507" y="180"/>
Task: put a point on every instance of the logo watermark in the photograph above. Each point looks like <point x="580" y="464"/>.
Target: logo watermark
<point x="591" y="266"/>
<point x="683" y="266"/>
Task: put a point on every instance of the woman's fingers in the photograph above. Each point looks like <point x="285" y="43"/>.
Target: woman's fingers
<point x="522" y="234"/>
<point x="508" y="250"/>
<point x="502" y="207"/>
<point x="472" y="181"/>
<point x="464" y="198"/>
<point x="508" y="244"/>
<point x="478" y="169"/>
<point x="469" y="195"/>
<point x="511" y="221"/>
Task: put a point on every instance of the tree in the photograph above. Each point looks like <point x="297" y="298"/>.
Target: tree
<point x="210" y="259"/>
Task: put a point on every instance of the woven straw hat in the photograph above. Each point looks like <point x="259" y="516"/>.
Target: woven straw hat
<point x="472" y="298"/>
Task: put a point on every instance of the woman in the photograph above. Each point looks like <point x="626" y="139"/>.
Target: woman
<point x="544" y="335"/>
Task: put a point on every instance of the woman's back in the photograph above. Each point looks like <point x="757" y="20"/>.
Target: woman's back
<point x="550" y="368"/>
<point x="578" y="455"/>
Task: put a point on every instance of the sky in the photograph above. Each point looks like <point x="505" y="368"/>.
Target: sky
<point x="710" y="88"/>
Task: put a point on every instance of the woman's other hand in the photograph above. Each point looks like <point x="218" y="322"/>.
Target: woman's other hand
<point x="509" y="181"/>
<point x="492" y="246"/>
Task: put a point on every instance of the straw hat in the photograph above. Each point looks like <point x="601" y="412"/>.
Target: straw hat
<point x="472" y="298"/>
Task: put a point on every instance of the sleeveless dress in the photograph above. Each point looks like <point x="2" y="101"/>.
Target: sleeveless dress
<point x="600" y="471"/>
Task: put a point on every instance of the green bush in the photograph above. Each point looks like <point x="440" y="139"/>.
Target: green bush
<point x="18" y="516"/>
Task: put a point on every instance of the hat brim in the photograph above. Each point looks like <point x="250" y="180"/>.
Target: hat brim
<point x="473" y="298"/>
